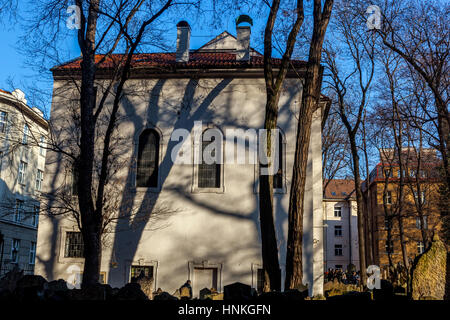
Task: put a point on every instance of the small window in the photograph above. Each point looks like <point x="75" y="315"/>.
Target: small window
<point x="387" y="223"/>
<point x="260" y="280"/>
<point x="412" y="173"/>
<point x="39" y="179"/>
<point x="138" y="271"/>
<point x="338" y="211"/>
<point x="26" y="132"/>
<point x="420" y="247"/>
<point x="388" y="197"/>
<point x="148" y="159"/>
<point x="74" y="245"/>
<point x="338" y="231"/>
<point x="35" y="216"/>
<point x="387" y="173"/>
<point x="338" y="250"/>
<point x="42" y="146"/>
<point x="209" y="174"/>
<point x="15" y="247"/>
<point x="3" y="121"/>
<point x="389" y="246"/>
<point x="32" y="253"/>
<point x="19" y="211"/>
<point x="422" y="196"/>
<point x="22" y="171"/>
<point x="278" y="177"/>
<point x="419" y="224"/>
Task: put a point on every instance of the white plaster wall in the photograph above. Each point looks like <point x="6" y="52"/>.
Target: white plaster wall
<point x="220" y="228"/>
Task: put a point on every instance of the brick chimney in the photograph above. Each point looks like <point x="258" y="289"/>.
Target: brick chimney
<point x="183" y="39"/>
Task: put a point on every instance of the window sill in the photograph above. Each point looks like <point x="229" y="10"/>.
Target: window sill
<point x="208" y="190"/>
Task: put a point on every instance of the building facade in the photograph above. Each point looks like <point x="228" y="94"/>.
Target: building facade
<point x="408" y="215"/>
<point x="208" y="226"/>
<point x="340" y="225"/>
<point x="23" y="131"/>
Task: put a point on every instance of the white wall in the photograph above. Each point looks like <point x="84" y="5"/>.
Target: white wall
<point x="220" y="228"/>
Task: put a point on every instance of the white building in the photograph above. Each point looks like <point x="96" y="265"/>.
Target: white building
<point x="212" y="237"/>
<point x="340" y="225"/>
<point x="22" y="161"/>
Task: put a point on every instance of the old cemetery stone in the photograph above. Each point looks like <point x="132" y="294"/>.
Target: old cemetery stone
<point x="146" y="284"/>
<point x="429" y="272"/>
<point x="164" y="296"/>
<point x="237" y="291"/>
<point x="131" y="291"/>
<point x="204" y="293"/>
<point x="30" y="288"/>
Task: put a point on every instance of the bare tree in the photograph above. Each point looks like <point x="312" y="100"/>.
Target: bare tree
<point x="351" y="87"/>
<point x="310" y="103"/>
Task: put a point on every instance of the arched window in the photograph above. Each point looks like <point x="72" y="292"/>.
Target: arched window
<point x="148" y="159"/>
<point x="211" y="153"/>
<point x="278" y="177"/>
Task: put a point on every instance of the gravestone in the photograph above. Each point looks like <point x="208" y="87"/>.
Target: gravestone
<point x="237" y="291"/>
<point x="205" y="293"/>
<point x="146" y="284"/>
<point x="428" y="277"/>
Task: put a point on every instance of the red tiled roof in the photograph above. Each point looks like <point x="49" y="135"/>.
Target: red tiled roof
<point x="3" y="91"/>
<point x="167" y="60"/>
<point x="339" y="189"/>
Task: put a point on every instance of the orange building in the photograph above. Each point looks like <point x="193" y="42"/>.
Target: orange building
<point x="401" y="205"/>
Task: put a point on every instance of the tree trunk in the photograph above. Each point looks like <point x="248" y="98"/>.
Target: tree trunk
<point x="310" y="100"/>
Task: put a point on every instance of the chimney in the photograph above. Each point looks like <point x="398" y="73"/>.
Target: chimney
<point x="243" y="38"/>
<point x="183" y="38"/>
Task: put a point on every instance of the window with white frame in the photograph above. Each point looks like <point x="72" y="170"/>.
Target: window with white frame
<point x="141" y="271"/>
<point x="19" y="210"/>
<point x="22" y="171"/>
<point x="260" y="280"/>
<point x="338" y="231"/>
<point x="39" y="179"/>
<point x="388" y="197"/>
<point x="26" y="132"/>
<point x="338" y="211"/>
<point x="419" y="224"/>
<point x="148" y="159"/>
<point x="42" y="146"/>
<point x="422" y="196"/>
<point x="74" y="246"/>
<point x="15" y="247"/>
<point x="35" y="216"/>
<point x="420" y="247"/>
<point x="338" y="250"/>
<point x="209" y="168"/>
<point x="32" y="256"/>
<point x="3" y="121"/>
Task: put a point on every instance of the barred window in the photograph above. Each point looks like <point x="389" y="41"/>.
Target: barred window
<point x="420" y="247"/>
<point x="260" y="280"/>
<point x="137" y="271"/>
<point x="3" y="121"/>
<point x="147" y="162"/>
<point x="278" y="177"/>
<point x="208" y="174"/>
<point x="74" y="245"/>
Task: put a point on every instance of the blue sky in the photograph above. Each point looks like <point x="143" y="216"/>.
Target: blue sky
<point x="16" y="73"/>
